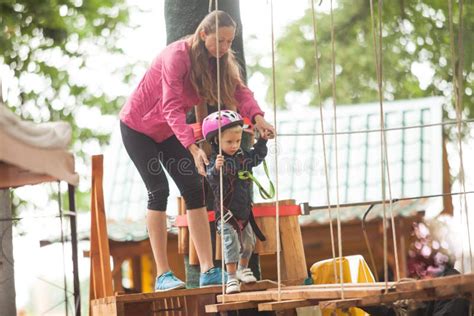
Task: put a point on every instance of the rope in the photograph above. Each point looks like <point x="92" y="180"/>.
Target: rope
<point x="377" y="130"/>
<point x="458" y="94"/>
<point x="339" y="235"/>
<point x="219" y="124"/>
<point x="277" y="203"/>
<point x="210" y="6"/>
<point x="318" y="78"/>
<point x="313" y="208"/>
<point x="382" y="160"/>
<point x="383" y="141"/>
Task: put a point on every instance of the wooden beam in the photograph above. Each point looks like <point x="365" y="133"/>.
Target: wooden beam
<point x="224" y="307"/>
<point x="431" y="283"/>
<point x="283" y="305"/>
<point x="379" y="285"/>
<point x="346" y="303"/>
<point x="305" y="293"/>
<point x="100" y="273"/>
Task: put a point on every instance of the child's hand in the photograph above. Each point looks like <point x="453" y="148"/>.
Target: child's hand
<point x="219" y="162"/>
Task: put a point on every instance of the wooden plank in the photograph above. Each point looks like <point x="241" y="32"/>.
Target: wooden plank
<point x="283" y="305"/>
<point x="309" y="293"/>
<point x="224" y="307"/>
<point x="267" y="225"/>
<point x="346" y="303"/>
<point x="392" y="297"/>
<point x="380" y="285"/>
<point x="137" y="297"/>
<point x="101" y="275"/>
<point x="183" y="232"/>
<point x="441" y="281"/>
<point x="258" y="286"/>
<point x="293" y="258"/>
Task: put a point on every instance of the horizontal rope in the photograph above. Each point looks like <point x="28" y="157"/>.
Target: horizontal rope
<point x="376" y="130"/>
<point x="306" y="208"/>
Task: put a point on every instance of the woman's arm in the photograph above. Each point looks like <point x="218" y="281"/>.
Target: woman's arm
<point x="248" y="107"/>
<point x="174" y="67"/>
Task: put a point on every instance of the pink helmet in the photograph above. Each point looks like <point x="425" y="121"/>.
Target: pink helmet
<point x="210" y="125"/>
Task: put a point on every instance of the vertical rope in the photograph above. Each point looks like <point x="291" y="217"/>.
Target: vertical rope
<point x="339" y="235"/>
<point x="277" y="203"/>
<point x="210" y="7"/>
<point x="318" y="78"/>
<point x="384" y="134"/>
<point x="219" y="124"/>
<point x="458" y="95"/>
<point x="378" y="67"/>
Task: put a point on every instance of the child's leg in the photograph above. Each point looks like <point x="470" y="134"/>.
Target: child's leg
<point x="231" y="257"/>
<point x="248" y="246"/>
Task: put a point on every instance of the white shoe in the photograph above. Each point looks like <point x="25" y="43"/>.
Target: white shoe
<point x="246" y="276"/>
<point x="232" y="286"/>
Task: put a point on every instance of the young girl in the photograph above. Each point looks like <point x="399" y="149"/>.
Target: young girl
<point x="239" y="225"/>
<point x="155" y="133"/>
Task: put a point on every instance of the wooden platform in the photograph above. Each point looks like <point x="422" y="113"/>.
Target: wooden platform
<point x="176" y="302"/>
<point x="355" y="295"/>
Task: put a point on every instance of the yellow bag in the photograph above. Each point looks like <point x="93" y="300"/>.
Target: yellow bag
<point x="354" y="270"/>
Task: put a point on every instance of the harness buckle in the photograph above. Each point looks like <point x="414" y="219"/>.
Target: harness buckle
<point x="227" y="216"/>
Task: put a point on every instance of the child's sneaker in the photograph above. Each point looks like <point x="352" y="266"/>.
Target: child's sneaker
<point x="168" y="281"/>
<point x="232" y="286"/>
<point x="211" y="277"/>
<point x="246" y="276"/>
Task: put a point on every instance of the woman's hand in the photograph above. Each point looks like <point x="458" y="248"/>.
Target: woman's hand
<point x="265" y="129"/>
<point x="200" y="158"/>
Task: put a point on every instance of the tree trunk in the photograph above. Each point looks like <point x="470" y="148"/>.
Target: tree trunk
<point x="183" y="16"/>
<point x="7" y="277"/>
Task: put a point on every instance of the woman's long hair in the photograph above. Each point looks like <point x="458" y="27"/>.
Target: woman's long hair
<point x="203" y="69"/>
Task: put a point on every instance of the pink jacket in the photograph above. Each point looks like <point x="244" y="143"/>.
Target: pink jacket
<point x="158" y="105"/>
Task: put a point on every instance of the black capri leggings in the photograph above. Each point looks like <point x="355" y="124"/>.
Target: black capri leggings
<point x="150" y="157"/>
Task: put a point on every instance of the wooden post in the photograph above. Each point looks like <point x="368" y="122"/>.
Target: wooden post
<point x="193" y="257"/>
<point x="183" y="232"/>
<point x="447" y="199"/>
<point x="7" y="277"/>
<point x="100" y="274"/>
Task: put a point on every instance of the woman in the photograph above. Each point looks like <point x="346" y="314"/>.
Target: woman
<point x="155" y="133"/>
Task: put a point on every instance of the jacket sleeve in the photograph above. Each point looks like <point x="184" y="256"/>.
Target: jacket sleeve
<point x="174" y="69"/>
<point x="258" y="153"/>
<point x="248" y="106"/>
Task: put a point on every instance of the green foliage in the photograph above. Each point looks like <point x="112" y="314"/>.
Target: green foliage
<point x="46" y="41"/>
<point x="414" y="33"/>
